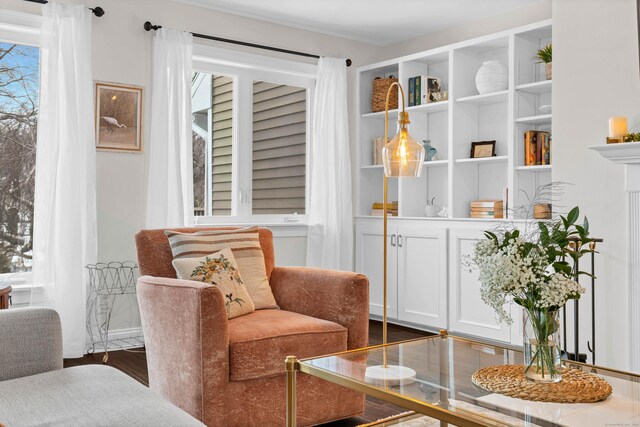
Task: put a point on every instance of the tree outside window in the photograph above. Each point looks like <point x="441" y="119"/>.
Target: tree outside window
<point x="18" y="125"/>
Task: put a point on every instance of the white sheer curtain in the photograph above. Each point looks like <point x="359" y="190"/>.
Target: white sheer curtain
<point x="65" y="232"/>
<point x="330" y="241"/>
<point x="170" y="190"/>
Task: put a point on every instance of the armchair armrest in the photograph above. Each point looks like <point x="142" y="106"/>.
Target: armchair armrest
<point x="30" y="342"/>
<point x="187" y="342"/>
<point x="339" y="296"/>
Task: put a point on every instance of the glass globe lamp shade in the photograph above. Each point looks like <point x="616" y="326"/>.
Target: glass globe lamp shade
<point x="403" y="156"/>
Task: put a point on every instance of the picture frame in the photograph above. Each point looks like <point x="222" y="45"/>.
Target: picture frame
<point x="482" y="149"/>
<point x="118" y="117"/>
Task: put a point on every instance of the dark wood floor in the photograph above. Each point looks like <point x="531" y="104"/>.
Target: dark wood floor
<point x="133" y="363"/>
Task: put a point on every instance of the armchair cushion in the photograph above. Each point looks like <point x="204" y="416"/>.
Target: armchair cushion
<point x="245" y="244"/>
<point x="338" y="296"/>
<point x="259" y="342"/>
<point x="218" y="269"/>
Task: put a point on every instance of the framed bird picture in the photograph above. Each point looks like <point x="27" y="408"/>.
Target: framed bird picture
<point x="118" y="117"/>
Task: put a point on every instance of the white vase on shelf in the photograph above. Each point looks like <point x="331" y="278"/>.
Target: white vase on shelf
<point x="491" y="77"/>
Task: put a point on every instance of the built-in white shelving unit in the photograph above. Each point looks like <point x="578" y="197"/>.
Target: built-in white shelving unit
<point x="467" y="116"/>
<point x="429" y="286"/>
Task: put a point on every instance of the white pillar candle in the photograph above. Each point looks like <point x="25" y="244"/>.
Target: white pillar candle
<point x="617" y="127"/>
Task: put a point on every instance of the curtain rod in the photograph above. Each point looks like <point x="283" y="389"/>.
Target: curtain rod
<point x="98" y="11"/>
<point x="148" y="26"/>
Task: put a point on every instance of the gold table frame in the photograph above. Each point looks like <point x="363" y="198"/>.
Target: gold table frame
<point x="458" y="418"/>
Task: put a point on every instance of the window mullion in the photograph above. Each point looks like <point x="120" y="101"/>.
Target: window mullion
<point x="209" y="163"/>
<point x="243" y="158"/>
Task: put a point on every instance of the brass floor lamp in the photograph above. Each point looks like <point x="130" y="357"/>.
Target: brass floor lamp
<point x="402" y="157"/>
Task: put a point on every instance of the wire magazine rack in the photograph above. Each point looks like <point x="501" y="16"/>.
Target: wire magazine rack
<point x="106" y="281"/>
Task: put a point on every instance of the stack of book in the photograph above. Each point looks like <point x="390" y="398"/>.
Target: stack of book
<point x="487" y="209"/>
<point x="537" y="148"/>
<point x="421" y="89"/>
<point x="378" y="210"/>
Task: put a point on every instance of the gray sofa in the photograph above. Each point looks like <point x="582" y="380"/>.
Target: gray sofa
<point x="36" y="391"/>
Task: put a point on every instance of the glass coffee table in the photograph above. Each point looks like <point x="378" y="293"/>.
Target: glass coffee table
<point x="443" y="390"/>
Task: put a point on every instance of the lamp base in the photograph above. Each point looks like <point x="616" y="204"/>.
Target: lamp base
<point x="391" y="375"/>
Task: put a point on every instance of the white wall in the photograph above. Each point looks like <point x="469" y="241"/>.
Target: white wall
<point x="595" y="76"/>
<point x="122" y="53"/>
<point x="533" y="12"/>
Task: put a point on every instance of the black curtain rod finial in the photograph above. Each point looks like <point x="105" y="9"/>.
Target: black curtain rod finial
<point x="348" y="62"/>
<point x="98" y="11"/>
<point x="148" y="26"/>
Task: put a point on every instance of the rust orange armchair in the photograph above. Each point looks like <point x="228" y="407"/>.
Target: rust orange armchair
<point x="231" y="372"/>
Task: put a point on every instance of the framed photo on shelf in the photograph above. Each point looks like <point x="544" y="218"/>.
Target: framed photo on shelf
<point x="118" y="117"/>
<point x="483" y="149"/>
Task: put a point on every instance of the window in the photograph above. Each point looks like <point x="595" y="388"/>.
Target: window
<point x="279" y="148"/>
<point x="250" y="137"/>
<point x="18" y="125"/>
<point x="212" y="108"/>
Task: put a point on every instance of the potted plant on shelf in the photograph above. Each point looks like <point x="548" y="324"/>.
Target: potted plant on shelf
<point x="432" y="209"/>
<point x="544" y="55"/>
<point x="532" y="270"/>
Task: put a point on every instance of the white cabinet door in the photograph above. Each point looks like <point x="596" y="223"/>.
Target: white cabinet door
<point x="422" y="276"/>
<point x="468" y="314"/>
<point x="369" y="256"/>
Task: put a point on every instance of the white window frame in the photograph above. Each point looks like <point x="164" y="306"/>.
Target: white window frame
<point x="246" y="68"/>
<point x="24" y="29"/>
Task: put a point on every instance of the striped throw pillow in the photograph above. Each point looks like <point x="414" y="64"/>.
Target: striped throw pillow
<point x="245" y="245"/>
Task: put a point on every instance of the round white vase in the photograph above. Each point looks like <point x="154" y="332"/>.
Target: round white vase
<point x="491" y="77"/>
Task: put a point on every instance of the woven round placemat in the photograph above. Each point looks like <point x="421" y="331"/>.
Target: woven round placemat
<point x="576" y="386"/>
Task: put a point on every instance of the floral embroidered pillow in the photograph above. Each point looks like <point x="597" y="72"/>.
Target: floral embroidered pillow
<point x="219" y="269"/>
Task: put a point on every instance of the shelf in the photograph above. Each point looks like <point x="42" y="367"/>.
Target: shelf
<point x="494" y="159"/>
<point x="535" y="88"/>
<point x="435" y="163"/>
<point x="433" y="107"/>
<point x="486" y="98"/>
<point x="379" y="115"/>
<point x="449" y="219"/>
<point x="540" y="119"/>
<point x="431" y="164"/>
<point x="534" y="168"/>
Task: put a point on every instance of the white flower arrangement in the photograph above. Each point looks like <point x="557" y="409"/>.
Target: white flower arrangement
<point x="532" y="272"/>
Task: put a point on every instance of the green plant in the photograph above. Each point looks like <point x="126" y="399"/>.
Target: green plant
<point x="632" y="137"/>
<point x="544" y="54"/>
<point x="430" y="202"/>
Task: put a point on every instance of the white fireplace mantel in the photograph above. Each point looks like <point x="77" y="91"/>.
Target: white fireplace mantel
<point x="625" y="152"/>
<point x="628" y="154"/>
